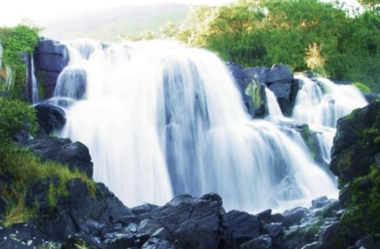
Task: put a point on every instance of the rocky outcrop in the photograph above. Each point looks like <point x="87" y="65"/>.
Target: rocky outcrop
<point x="278" y="79"/>
<point x="50" y="118"/>
<point x="51" y="58"/>
<point x="74" y="155"/>
<point x="355" y="161"/>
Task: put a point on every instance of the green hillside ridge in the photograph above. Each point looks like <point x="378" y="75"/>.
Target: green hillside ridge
<point x="109" y="24"/>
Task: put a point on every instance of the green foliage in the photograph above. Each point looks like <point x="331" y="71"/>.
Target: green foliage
<point x="22" y="38"/>
<point x="16" y="117"/>
<point x="25" y="169"/>
<point x="304" y="34"/>
<point x="362" y="87"/>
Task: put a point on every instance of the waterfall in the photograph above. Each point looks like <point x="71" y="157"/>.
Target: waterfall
<point x="273" y="106"/>
<point x="323" y="102"/>
<point x="161" y="119"/>
<point x="35" y="97"/>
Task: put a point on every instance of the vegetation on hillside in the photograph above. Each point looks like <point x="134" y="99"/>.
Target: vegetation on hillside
<point x="19" y="168"/>
<point x="305" y="34"/>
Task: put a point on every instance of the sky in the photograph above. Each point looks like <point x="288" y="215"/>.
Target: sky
<point x="40" y="11"/>
<point x="14" y="11"/>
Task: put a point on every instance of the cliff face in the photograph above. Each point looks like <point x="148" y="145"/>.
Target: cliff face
<point x="356" y="163"/>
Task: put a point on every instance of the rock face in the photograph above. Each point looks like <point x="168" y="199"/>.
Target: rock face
<point x="356" y="143"/>
<point x="278" y="79"/>
<point x="75" y="155"/>
<point x="50" y="118"/>
<point x="355" y="161"/>
<point x="51" y="58"/>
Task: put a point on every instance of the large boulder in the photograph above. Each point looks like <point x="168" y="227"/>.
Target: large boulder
<point x="193" y="222"/>
<point x="75" y="155"/>
<point x="50" y="118"/>
<point x="78" y="212"/>
<point x="51" y="58"/>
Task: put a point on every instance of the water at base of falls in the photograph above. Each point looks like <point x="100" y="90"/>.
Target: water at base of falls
<point x="161" y="119"/>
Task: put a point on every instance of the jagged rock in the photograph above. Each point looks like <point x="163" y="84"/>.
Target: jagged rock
<point x="119" y="240"/>
<point x="265" y="216"/>
<point x="319" y="202"/>
<point x="147" y="228"/>
<point x="243" y="77"/>
<point x="262" y="242"/>
<point x="368" y="242"/>
<point x="240" y="227"/>
<point x="75" y="155"/>
<point x="315" y="245"/>
<point x="50" y="118"/>
<point x="144" y="211"/>
<point x="274" y="230"/>
<point x="193" y="222"/>
<point x="155" y="243"/>
<point x="51" y="58"/>
<point x="22" y="236"/>
<point x="328" y="230"/>
<point x="51" y="55"/>
<point x="354" y="133"/>
<point x="260" y="73"/>
<point x="280" y="73"/>
<point x="296" y="215"/>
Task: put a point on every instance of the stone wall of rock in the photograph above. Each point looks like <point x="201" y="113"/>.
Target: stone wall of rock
<point x="279" y="79"/>
<point x="50" y="59"/>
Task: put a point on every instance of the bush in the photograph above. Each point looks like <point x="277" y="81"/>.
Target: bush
<point x="16" y="118"/>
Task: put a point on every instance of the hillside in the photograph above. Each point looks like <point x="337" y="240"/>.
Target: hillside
<point x="109" y="24"/>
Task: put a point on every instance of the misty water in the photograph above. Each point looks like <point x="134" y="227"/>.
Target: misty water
<point x="161" y="119"/>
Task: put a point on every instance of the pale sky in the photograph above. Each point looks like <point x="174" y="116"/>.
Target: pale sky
<point x="12" y="12"/>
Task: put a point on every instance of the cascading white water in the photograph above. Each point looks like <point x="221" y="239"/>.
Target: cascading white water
<point x="326" y="102"/>
<point x="35" y="97"/>
<point x="161" y="119"/>
<point x="274" y="109"/>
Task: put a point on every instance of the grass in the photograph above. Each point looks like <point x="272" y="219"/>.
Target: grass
<point x="25" y="168"/>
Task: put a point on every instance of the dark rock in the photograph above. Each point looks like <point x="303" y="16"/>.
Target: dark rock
<point x="315" y="245"/>
<point x="274" y="230"/>
<point x="281" y="90"/>
<point x="319" y="202"/>
<point x="296" y="215"/>
<point x="368" y="242"/>
<point x="280" y="73"/>
<point x="48" y="46"/>
<point x="328" y="231"/>
<point x="119" y="240"/>
<point x="23" y="236"/>
<point x="81" y="213"/>
<point x="355" y="143"/>
<point x="371" y="97"/>
<point x="262" y="242"/>
<point x="75" y="155"/>
<point x="330" y="209"/>
<point x="193" y="222"/>
<point x="80" y="240"/>
<point x="240" y="227"/>
<point x="48" y="81"/>
<point x="50" y="118"/>
<point x="143" y="211"/>
<point x="278" y="218"/>
<point x="147" y="228"/>
<point x="258" y="73"/>
<point x="265" y="216"/>
<point x="155" y="243"/>
<point x="51" y="62"/>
